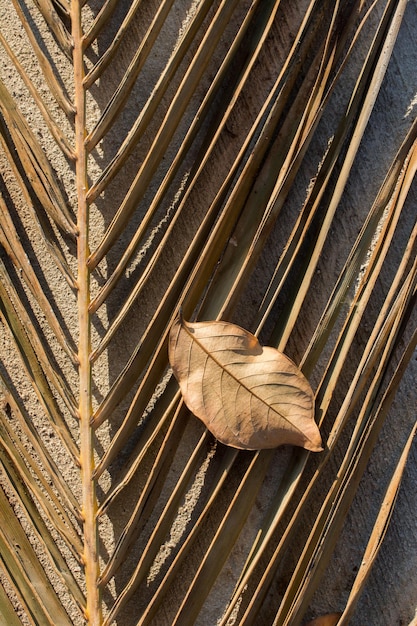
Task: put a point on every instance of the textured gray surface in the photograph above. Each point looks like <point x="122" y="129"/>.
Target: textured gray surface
<point x="390" y="598"/>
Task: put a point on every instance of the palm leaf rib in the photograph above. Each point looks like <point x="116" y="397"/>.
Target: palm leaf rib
<point x="12" y="246"/>
<point x="58" y="135"/>
<point x="7" y="612"/>
<point x="145" y="115"/>
<point x="358" y="461"/>
<point x="15" y="304"/>
<point x="35" y="164"/>
<point x="43" y="608"/>
<point x="378" y="532"/>
<point x="51" y="79"/>
<point x="89" y="502"/>
<point x="71" y="504"/>
<point x="45" y="226"/>
<point x="44" y="536"/>
<point x="222" y="230"/>
<point x="35" y="371"/>
<point x="196" y="124"/>
<point x="56" y="25"/>
<point x="100" y="21"/>
<point x="122" y="92"/>
<point x="375" y="349"/>
<point x="337" y="362"/>
<point x="164" y="135"/>
<point x="215" y="159"/>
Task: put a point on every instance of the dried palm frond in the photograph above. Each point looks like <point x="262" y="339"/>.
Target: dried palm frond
<point x="213" y="158"/>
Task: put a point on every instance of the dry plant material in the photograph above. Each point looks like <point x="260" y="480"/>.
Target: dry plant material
<point x="249" y="396"/>
<point x="330" y="619"/>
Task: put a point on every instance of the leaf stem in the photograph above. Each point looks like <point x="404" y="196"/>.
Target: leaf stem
<point x="89" y="503"/>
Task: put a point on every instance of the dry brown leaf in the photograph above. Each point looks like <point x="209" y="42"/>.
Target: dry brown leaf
<point x="249" y="396"/>
<point x="330" y="619"/>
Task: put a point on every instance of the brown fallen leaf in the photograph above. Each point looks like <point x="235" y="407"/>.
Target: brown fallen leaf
<point x="249" y="396"/>
<point x="330" y="619"/>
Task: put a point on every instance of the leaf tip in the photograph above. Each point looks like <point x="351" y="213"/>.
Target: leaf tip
<point x="313" y="441"/>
